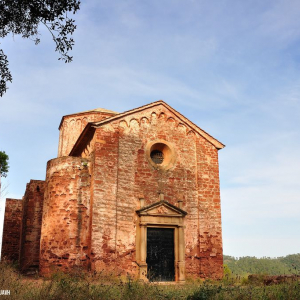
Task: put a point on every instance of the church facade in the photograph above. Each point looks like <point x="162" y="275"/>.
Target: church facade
<point x="133" y="193"/>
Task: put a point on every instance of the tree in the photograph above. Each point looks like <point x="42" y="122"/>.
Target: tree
<point x="23" y="17"/>
<point x="3" y="166"/>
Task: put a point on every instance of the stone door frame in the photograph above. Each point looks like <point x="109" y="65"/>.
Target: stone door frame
<point x="160" y="215"/>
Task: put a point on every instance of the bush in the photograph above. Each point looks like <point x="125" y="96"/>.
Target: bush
<point x="206" y="292"/>
<point x="90" y="286"/>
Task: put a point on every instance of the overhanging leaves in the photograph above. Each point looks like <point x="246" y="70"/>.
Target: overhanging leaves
<point x="3" y="164"/>
<point x="24" y="17"/>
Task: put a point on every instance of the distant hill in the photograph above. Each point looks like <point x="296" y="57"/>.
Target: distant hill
<point x="289" y="264"/>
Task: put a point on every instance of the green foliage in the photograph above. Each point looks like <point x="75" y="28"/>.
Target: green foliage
<point x="227" y="271"/>
<point x="5" y="74"/>
<point x="206" y="292"/>
<point x="81" y="285"/>
<point x="3" y="164"/>
<point x="290" y="291"/>
<point x="86" y="286"/>
<point x="272" y="266"/>
<point x="24" y="17"/>
<point x="292" y="262"/>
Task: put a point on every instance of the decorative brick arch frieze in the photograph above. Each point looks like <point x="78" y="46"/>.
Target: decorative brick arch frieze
<point x="133" y="123"/>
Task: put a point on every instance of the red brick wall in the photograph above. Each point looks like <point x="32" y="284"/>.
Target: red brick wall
<point x="121" y="173"/>
<point x="89" y="217"/>
<point x="104" y="248"/>
<point x="31" y="226"/>
<point x="210" y="227"/>
<point x="65" y="228"/>
<point x="72" y="127"/>
<point x="11" y="229"/>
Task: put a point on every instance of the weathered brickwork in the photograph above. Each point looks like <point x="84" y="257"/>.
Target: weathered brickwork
<point x="71" y="127"/>
<point x="31" y="226"/>
<point x="123" y="173"/>
<point x="65" y="226"/>
<point x="12" y="229"/>
<point x="117" y="175"/>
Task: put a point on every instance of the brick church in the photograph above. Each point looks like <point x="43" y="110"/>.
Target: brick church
<point x="133" y="193"/>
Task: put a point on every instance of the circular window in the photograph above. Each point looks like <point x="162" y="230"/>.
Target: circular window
<point x="157" y="156"/>
<point x="160" y="154"/>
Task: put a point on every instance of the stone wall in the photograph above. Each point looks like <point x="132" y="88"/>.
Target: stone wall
<point x="104" y="248"/>
<point x="65" y="229"/>
<point x="31" y="226"/>
<point x="84" y="215"/>
<point x="209" y="209"/>
<point x="11" y="229"/>
<point x="72" y="126"/>
<point x="123" y="173"/>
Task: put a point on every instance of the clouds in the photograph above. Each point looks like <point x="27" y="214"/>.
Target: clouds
<point x="232" y="67"/>
<point x="260" y="191"/>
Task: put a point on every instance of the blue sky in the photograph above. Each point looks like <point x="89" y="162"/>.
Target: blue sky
<point x="231" y="67"/>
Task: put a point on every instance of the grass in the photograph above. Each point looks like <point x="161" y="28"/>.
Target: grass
<point x="80" y="285"/>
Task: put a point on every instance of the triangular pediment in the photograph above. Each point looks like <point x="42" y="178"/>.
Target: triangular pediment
<point x="130" y="115"/>
<point x="161" y="208"/>
<point x="178" y="115"/>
